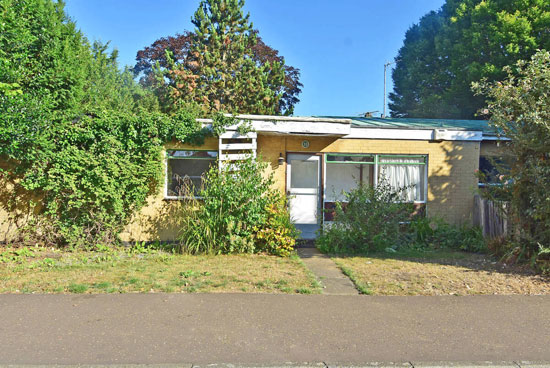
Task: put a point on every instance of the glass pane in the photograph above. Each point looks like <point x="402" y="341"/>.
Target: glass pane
<point x="185" y="176"/>
<point x="410" y="180"/>
<point x="401" y="160"/>
<point x="493" y="167"/>
<point x="351" y="158"/>
<point x="343" y="178"/>
<point x="192" y="154"/>
<point x="304" y="174"/>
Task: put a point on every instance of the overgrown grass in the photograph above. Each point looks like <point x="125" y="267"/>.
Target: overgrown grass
<point x="47" y="270"/>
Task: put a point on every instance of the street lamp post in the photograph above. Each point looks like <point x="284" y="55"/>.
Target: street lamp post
<point x="385" y="67"/>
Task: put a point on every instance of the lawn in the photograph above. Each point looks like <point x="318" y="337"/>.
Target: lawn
<point x="50" y="270"/>
<point x="439" y="272"/>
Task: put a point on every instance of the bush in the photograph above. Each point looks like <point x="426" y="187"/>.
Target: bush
<point x="371" y="220"/>
<point x="436" y="233"/>
<point x="92" y="173"/>
<point x="278" y="234"/>
<point x="374" y="219"/>
<point x="238" y="212"/>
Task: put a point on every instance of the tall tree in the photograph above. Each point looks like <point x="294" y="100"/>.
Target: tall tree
<point x="465" y="41"/>
<point x="223" y="65"/>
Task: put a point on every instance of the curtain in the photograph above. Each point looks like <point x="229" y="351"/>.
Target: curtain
<point x="409" y="178"/>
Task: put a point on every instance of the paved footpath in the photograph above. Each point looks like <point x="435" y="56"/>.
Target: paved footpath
<point x="272" y="329"/>
<point x="333" y="281"/>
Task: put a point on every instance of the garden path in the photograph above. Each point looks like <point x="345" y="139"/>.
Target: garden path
<point x="334" y="282"/>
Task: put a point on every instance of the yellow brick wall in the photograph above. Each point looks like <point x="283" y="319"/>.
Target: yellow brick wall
<point x="159" y="219"/>
<point x="451" y="166"/>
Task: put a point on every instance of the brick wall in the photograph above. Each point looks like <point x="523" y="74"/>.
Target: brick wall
<point x="451" y="166"/>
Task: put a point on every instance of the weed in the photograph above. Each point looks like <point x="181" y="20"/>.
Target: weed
<point x="361" y="287"/>
<point x="77" y="288"/>
<point x="188" y="273"/>
<point x="103" y="285"/>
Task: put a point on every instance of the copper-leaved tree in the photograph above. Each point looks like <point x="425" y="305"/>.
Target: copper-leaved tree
<point x="223" y="65"/>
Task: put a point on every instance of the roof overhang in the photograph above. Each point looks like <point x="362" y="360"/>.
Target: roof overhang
<point x="344" y="128"/>
<point x="292" y="125"/>
<point x="415" y="134"/>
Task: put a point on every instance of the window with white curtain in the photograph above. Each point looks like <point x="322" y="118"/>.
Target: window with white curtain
<point x="405" y="174"/>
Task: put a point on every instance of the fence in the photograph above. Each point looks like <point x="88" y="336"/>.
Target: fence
<point x="489" y="217"/>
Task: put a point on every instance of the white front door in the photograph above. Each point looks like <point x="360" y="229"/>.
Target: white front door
<point x="303" y="184"/>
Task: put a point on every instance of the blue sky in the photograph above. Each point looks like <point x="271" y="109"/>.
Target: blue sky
<point x="340" y="46"/>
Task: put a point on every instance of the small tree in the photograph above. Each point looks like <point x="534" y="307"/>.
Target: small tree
<point x="520" y="110"/>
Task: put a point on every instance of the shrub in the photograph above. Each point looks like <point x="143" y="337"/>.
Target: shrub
<point x="238" y="212"/>
<point x="374" y="219"/>
<point x="371" y="220"/>
<point x="278" y="234"/>
<point x="519" y="107"/>
<point x="436" y="233"/>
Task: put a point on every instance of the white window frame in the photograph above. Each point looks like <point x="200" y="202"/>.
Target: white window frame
<point x="166" y="159"/>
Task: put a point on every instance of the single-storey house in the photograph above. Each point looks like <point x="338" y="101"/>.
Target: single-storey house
<point x="315" y="159"/>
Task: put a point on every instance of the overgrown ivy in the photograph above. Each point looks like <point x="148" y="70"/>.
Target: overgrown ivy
<point x="88" y="174"/>
<point x="80" y="140"/>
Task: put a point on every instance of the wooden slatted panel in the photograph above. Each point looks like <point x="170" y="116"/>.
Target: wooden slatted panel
<point x="235" y="156"/>
<point x="234" y="146"/>
<point x="238" y="146"/>
<point x="237" y="135"/>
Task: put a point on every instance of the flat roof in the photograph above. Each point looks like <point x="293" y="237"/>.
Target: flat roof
<point x="418" y="123"/>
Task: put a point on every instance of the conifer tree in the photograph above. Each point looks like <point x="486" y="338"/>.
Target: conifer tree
<point x="220" y="71"/>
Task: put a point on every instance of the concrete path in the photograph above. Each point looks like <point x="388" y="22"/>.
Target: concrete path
<point x="331" y="277"/>
<point x="271" y="329"/>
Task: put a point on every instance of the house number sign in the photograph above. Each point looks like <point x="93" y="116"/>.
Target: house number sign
<point x="305" y="144"/>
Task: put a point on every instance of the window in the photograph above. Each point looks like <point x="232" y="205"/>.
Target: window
<point x="185" y="171"/>
<point x="346" y="171"/>
<point x="492" y="167"/>
<point x="407" y="173"/>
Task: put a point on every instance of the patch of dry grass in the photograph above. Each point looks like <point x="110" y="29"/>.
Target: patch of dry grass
<point x="440" y="273"/>
<point x="54" y="271"/>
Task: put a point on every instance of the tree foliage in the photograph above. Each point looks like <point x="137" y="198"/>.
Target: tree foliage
<point x="520" y="110"/>
<point x="463" y="42"/>
<point x="79" y="136"/>
<point x="223" y="65"/>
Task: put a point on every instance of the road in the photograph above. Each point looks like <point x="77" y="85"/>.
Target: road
<point x="270" y="329"/>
